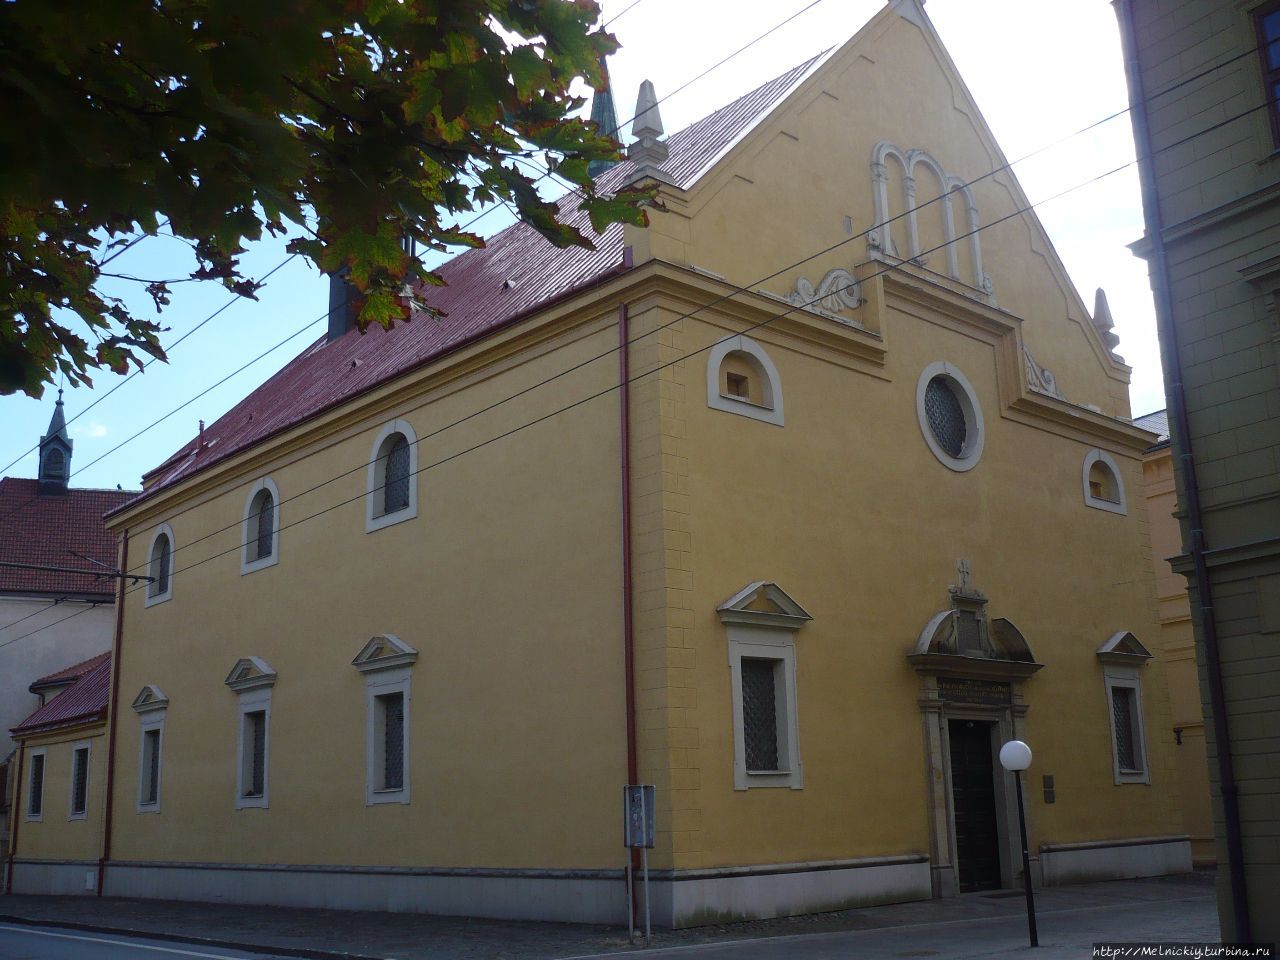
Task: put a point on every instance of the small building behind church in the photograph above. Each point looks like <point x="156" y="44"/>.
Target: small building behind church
<point x="53" y="611"/>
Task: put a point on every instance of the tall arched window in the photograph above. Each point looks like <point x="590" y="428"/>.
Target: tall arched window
<point x="160" y="565"/>
<point x="260" y="532"/>
<point x="392" y="495"/>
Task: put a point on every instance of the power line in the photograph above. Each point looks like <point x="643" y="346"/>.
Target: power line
<point x="749" y="288"/>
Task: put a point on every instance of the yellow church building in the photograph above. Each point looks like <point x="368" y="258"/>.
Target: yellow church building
<point x="797" y="504"/>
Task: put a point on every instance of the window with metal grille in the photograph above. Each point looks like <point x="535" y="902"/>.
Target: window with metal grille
<point x="1266" y="22"/>
<point x="254" y="754"/>
<point x="79" y="781"/>
<point x="760" y="713"/>
<point x="391" y="719"/>
<point x="945" y="415"/>
<point x="1124" y="713"/>
<point x="395" y="488"/>
<point x="161" y="555"/>
<point x="35" y="798"/>
<point x="149" y="792"/>
<point x="264" y="514"/>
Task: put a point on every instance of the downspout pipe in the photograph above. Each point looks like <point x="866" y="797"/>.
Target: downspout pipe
<point x="628" y="618"/>
<point x="1184" y="463"/>
<point x="15" y="812"/>
<point x="113" y="704"/>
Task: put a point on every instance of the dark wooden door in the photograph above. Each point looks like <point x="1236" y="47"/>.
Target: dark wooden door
<point x="973" y="791"/>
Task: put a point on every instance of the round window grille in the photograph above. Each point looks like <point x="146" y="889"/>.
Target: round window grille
<point x="946" y="416"/>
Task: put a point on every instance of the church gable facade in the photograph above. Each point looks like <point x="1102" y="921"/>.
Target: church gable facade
<point x="801" y="555"/>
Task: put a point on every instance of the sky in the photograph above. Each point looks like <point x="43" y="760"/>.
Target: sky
<point x="1039" y="73"/>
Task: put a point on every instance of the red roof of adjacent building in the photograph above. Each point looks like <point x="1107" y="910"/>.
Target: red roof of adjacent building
<point x="515" y="273"/>
<point x="67" y="674"/>
<point x="83" y="702"/>
<point x="50" y="529"/>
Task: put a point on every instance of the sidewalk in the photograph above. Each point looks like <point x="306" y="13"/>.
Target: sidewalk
<point x="1070" y="914"/>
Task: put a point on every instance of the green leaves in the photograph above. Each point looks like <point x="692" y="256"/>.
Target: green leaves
<point x="370" y="118"/>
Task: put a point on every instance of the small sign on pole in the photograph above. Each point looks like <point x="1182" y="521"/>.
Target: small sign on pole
<point x="638" y="832"/>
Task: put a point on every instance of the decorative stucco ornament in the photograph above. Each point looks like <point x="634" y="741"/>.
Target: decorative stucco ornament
<point x="1105" y="326"/>
<point x="1039" y="378"/>
<point x="837" y="291"/>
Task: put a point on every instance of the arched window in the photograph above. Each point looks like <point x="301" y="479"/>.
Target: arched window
<point x="392" y="484"/>
<point x="1103" y="487"/>
<point x="54" y="463"/>
<point x="259" y="534"/>
<point x="160" y="565"/>
<point x="742" y="379"/>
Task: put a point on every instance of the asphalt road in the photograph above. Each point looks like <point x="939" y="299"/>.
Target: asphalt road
<point x="45" y="943"/>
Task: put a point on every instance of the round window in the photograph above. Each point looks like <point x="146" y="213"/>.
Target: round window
<point x="949" y="415"/>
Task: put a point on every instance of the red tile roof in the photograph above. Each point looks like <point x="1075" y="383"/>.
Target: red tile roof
<point x="83" y="702"/>
<point x="68" y="674"/>
<point x="46" y="529"/>
<point x="516" y="273"/>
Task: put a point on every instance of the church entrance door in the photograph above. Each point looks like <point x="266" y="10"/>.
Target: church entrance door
<point x="974" y="803"/>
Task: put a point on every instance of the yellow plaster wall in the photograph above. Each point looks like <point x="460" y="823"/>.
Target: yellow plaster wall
<point x="56" y="836"/>
<point x="507" y="583"/>
<point x="846" y="508"/>
<point x="1174" y="614"/>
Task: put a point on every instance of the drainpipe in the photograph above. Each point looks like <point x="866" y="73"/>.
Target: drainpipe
<point x="1185" y="464"/>
<point x="15" y="811"/>
<point x="113" y="705"/>
<point x="628" y="631"/>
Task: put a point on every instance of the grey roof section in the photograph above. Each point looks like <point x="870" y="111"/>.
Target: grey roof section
<point x="1157" y="423"/>
<point x="58" y="423"/>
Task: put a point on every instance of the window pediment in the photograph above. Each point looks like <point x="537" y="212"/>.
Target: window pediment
<point x="250" y="673"/>
<point x="1124" y="648"/>
<point x="763" y="603"/>
<point x="383" y="652"/>
<point x="150" y="698"/>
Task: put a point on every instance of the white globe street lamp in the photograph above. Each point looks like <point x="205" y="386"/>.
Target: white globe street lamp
<point x="1015" y="756"/>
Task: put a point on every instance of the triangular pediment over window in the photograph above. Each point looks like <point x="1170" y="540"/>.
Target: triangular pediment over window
<point x="150" y="698"/>
<point x="763" y="603"/>
<point x="1123" y="647"/>
<point x="250" y="673"/>
<point x="382" y="652"/>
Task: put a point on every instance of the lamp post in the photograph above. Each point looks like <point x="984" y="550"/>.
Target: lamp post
<point x="1015" y="756"/>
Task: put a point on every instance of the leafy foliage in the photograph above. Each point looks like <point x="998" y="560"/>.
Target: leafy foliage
<point x="371" y="119"/>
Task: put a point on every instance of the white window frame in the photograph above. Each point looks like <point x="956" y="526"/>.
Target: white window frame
<point x="748" y="642"/>
<point x="378" y="685"/>
<point x="975" y="428"/>
<point x="249" y="529"/>
<point x="151" y="705"/>
<point x="1118" y="677"/>
<point x="151" y="599"/>
<point x="86" y="746"/>
<point x="38" y="816"/>
<point x="377" y="471"/>
<point x="772" y="410"/>
<point x="253" y="701"/>
<point x="1101" y="456"/>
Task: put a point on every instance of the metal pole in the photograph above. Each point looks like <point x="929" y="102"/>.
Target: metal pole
<point x="631" y="903"/>
<point x="644" y="857"/>
<point x="1026" y="864"/>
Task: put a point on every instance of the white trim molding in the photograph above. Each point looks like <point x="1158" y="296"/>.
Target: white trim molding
<point x="387" y="664"/>
<point x="253" y="700"/>
<point x="153" y="594"/>
<point x="1102" y="503"/>
<point x="975" y="430"/>
<point x="1126" y="680"/>
<point x="249" y="533"/>
<point x="375" y="518"/>
<point x="151" y="706"/>
<point x="87" y="747"/>
<point x="769" y="409"/>
<point x="761" y="621"/>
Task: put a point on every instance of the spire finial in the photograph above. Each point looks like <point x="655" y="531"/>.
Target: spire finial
<point x="605" y="117"/>
<point x="648" y="150"/>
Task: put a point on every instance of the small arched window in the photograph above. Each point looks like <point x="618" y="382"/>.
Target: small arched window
<point x="160" y="566"/>
<point x="392" y="491"/>
<point x="54" y="463"/>
<point x="1103" y="487"/>
<point x="260" y="533"/>
<point x="742" y="379"/>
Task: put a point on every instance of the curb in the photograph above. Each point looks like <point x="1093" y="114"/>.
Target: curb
<point x="283" y="951"/>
